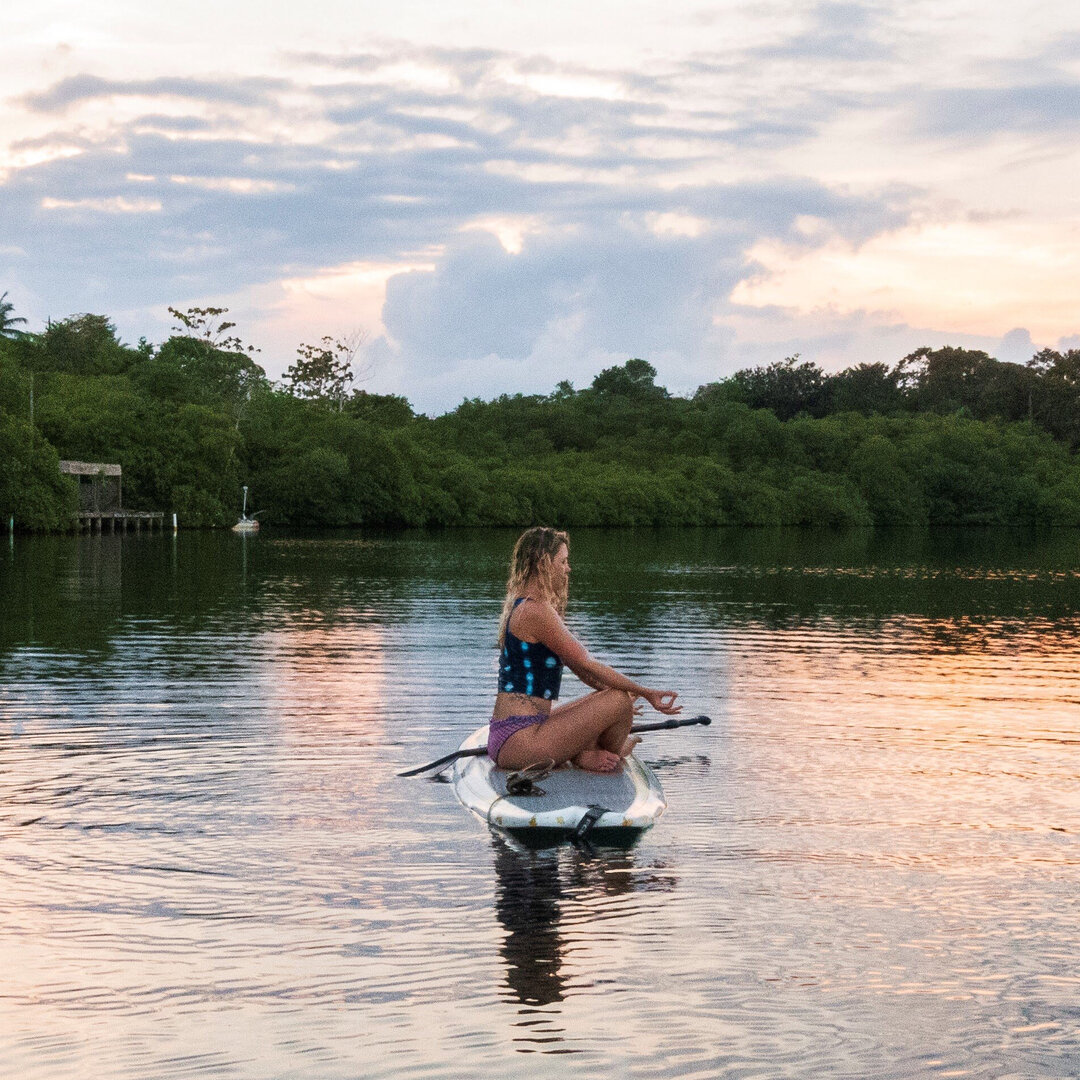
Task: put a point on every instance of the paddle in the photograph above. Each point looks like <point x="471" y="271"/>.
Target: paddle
<point x="479" y="751"/>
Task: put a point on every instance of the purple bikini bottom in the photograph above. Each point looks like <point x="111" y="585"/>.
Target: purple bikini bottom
<point x="501" y="730"/>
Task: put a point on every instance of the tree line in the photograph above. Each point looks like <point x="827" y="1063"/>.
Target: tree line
<point x="944" y="436"/>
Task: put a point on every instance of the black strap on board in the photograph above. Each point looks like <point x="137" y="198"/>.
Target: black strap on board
<point x="588" y="822"/>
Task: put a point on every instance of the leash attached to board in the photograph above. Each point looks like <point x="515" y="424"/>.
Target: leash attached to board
<point x="480" y="751"/>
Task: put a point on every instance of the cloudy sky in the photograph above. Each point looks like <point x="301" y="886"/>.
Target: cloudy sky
<point x="501" y="195"/>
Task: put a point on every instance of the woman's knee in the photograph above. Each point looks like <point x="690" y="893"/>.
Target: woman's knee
<point x="621" y="703"/>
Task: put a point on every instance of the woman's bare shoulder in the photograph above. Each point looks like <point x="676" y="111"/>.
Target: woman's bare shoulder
<point x="530" y="617"/>
<point x="546" y="625"/>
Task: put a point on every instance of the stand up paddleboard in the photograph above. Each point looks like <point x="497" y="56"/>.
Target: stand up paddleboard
<point x="599" y="807"/>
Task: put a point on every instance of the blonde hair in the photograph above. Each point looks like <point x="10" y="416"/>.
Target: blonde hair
<point x="533" y="554"/>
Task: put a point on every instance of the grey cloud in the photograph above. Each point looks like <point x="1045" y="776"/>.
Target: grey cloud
<point x="469" y="67"/>
<point x="1016" y="346"/>
<point x="65" y="92"/>
<point x="87" y="87"/>
<point x="529" y="114"/>
<point x="621" y="289"/>
<point x="479" y="301"/>
<point x="831" y="32"/>
<point x="837" y="31"/>
<point x="621" y="286"/>
<point x="482" y="86"/>
<point x="1047" y="65"/>
<point x="1060" y="49"/>
<point x="73" y="139"/>
<point x="343" y="62"/>
<point x="203" y="241"/>
<point x="616" y="127"/>
<point x="472" y="67"/>
<point x="162" y="122"/>
<point x="1032" y="109"/>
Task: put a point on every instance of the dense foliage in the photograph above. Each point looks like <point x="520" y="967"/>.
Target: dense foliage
<point x="947" y="436"/>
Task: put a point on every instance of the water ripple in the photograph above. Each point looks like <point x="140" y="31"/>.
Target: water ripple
<point x="868" y="867"/>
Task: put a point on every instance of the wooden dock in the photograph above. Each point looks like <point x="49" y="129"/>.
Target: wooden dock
<point x="119" y="520"/>
<point x="101" y="506"/>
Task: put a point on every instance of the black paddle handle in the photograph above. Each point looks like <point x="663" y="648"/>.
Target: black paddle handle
<point x="667" y="725"/>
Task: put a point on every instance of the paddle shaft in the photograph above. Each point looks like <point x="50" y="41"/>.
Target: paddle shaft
<point x="667" y="725"/>
<point x="479" y="751"/>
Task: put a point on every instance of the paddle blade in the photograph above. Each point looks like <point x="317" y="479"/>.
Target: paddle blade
<point x="442" y="762"/>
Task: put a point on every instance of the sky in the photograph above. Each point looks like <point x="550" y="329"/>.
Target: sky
<point x="498" y="196"/>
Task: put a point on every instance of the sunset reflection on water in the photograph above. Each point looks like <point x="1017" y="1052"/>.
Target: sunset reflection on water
<point x="209" y="867"/>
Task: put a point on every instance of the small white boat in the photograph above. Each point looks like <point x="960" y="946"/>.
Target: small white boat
<point x="598" y="807"/>
<point x="246" y="524"/>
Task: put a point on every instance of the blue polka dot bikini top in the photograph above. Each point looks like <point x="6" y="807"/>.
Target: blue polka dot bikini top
<point x="528" y="667"/>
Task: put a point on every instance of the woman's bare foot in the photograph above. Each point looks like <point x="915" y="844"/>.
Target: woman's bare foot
<point x="628" y="746"/>
<point x="602" y="761"/>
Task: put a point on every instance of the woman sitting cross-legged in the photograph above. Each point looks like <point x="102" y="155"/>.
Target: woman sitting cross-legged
<point x="526" y="726"/>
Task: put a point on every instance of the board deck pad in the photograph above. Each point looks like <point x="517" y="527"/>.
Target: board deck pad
<point x="632" y="799"/>
<point x="573" y="787"/>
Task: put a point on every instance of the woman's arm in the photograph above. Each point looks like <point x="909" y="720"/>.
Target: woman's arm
<point x="542" y="623"/>
<point x="589" y="680"/>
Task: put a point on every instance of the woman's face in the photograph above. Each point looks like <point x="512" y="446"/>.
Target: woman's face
<point x="560" y="568"/>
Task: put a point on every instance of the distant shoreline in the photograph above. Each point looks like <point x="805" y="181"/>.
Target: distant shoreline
<point x="945" y="437"/>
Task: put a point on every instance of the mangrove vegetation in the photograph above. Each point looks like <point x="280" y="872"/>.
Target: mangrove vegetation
<point x="944" y="436"/>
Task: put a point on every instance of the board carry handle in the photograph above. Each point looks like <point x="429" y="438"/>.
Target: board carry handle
<point x="480" y="751"/>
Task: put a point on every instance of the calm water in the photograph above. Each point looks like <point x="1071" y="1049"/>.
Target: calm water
<point x="870" y="865"/>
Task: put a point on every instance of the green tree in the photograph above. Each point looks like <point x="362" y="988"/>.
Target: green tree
<point x="634" y="379"/>
<point x="948" y="379"/>
<point x="816" y="498"/>
<point x="382" y="410"/>
<point x="888" y="488"/>
<point x="787" y="387"/>
<point x="206" y="324"/>
<point x="94" y="418"/>
<point x="753" y="498"/>
<point x="865" y="388"/>
<point x="324" y="372"/>
<point x="83" y="344"/>
<point x="7" y="322"/>
<point x="192" y="369"/>
<point x="753" y="437"/>
<point x="1055" y="397"/>
<point x="32" y="491"/>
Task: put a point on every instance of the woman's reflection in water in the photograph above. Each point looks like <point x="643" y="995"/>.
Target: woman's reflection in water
<point x="527" y="895"/>
<point x="532" y="888"/>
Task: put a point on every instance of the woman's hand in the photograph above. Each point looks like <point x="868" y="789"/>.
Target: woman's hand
<point x="663" y="701"/>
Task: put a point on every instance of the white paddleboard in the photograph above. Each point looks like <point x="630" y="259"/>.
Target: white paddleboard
<point x="630" y="800"/>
